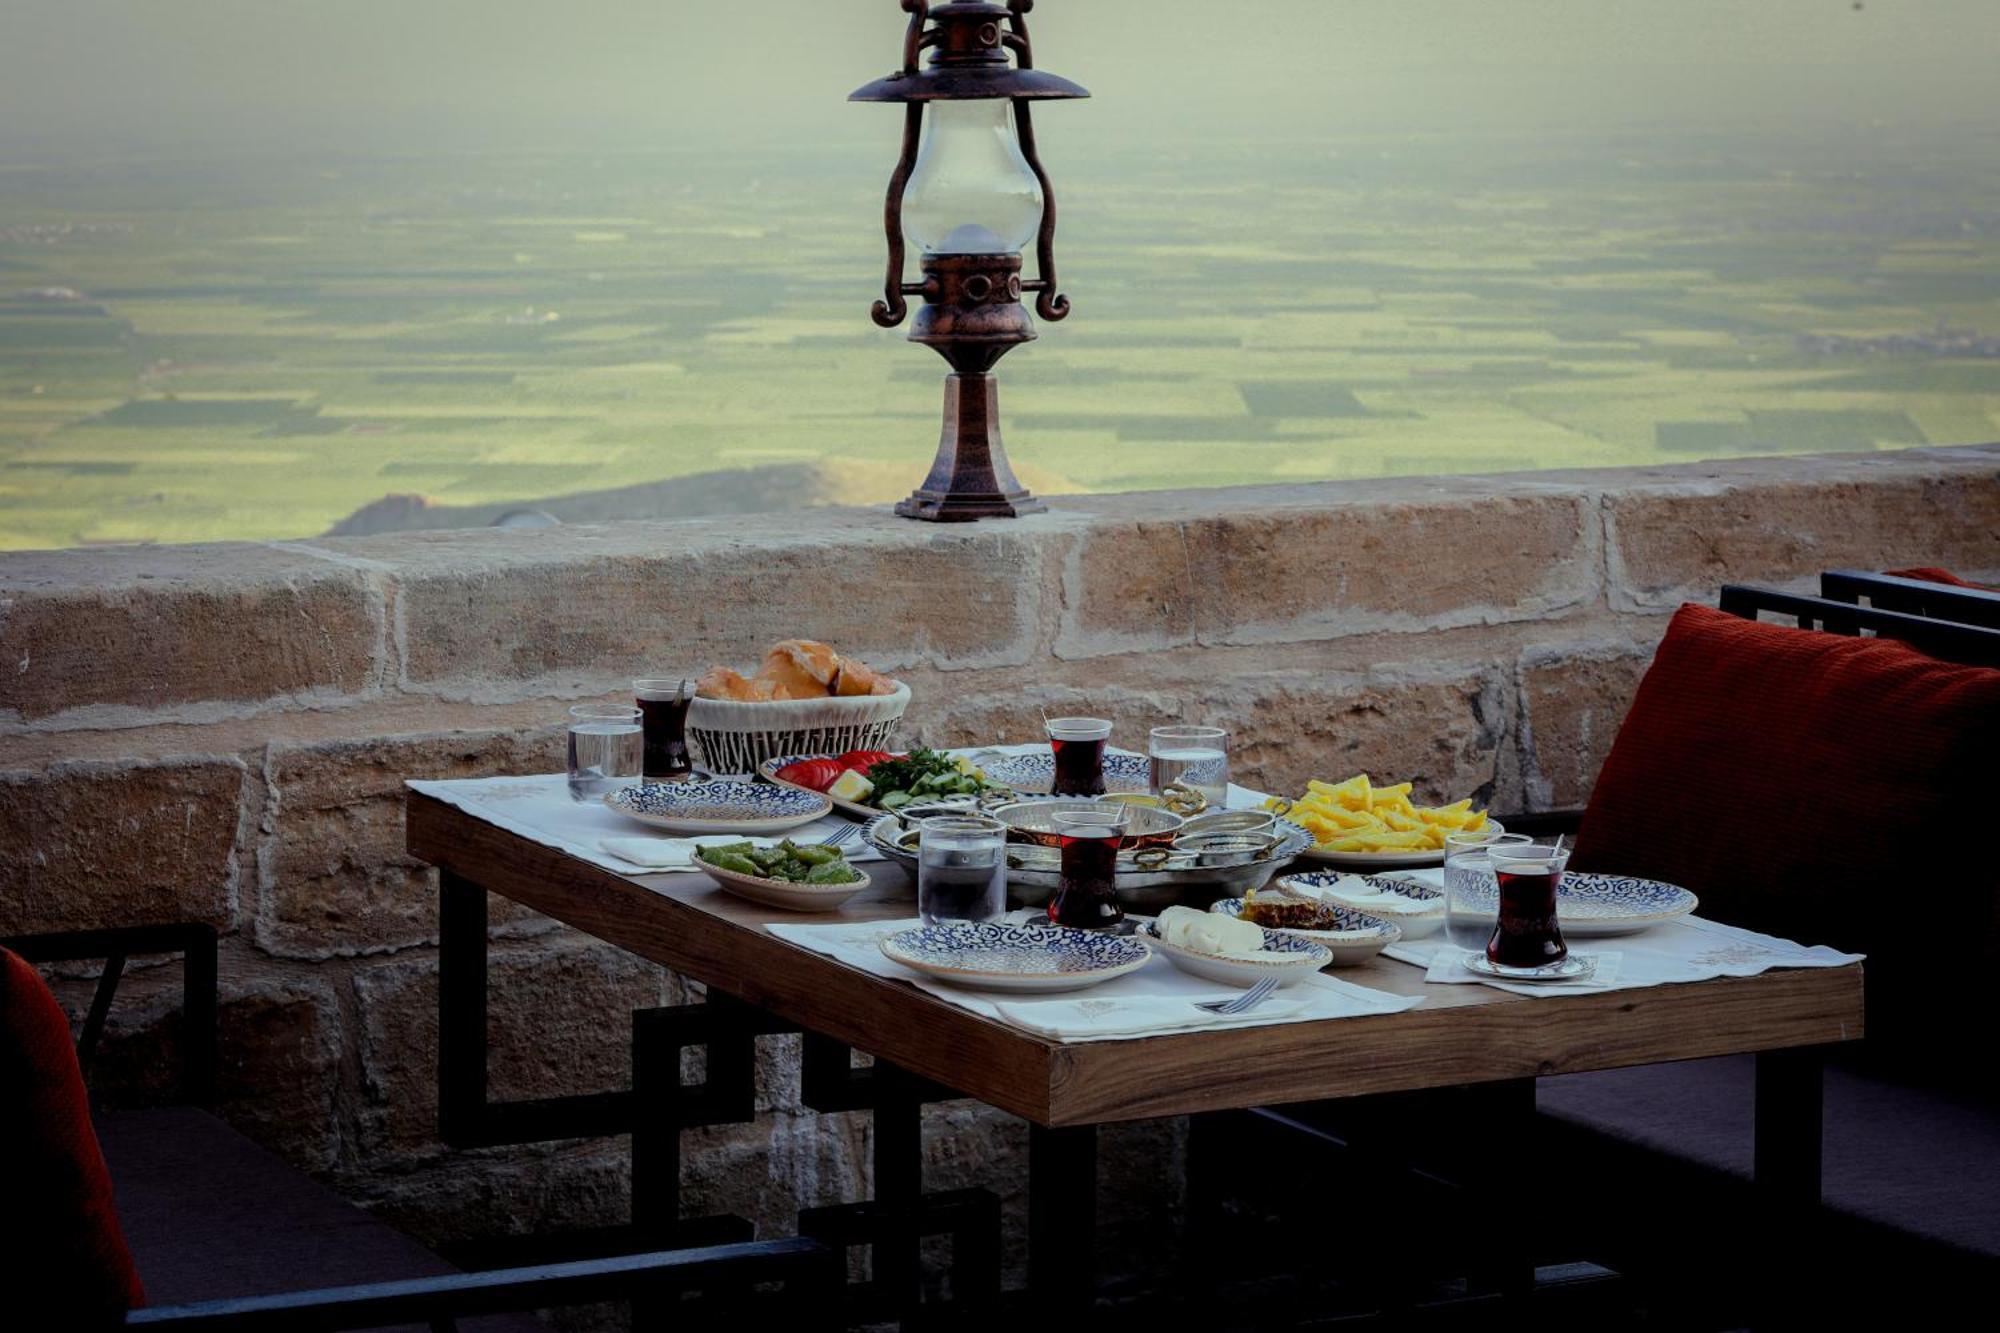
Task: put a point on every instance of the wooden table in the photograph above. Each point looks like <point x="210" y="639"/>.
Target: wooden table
<point x="1459" y="1035"/>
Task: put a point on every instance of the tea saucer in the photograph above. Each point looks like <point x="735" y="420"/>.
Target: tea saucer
<point x="1576" y="967"/>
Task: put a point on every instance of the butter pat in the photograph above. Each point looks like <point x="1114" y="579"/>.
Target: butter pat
<point x="1210" y="932"/>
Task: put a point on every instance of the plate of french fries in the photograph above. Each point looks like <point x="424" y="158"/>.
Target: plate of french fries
<point x="1358" y="824"/>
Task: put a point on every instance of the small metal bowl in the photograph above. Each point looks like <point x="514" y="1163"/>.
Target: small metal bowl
<point x="1034" y="821"/>
<point x="1231" y="821"/>
<point x="1227" y="849"/>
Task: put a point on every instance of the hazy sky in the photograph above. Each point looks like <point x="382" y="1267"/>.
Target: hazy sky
<point x="104" y="74"/>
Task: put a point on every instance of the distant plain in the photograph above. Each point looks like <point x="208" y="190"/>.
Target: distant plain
<point x="257" y="347"/>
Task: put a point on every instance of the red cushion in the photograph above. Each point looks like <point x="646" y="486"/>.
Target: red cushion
<point x="1807" y="784"/>
<point x="64" y="1264"/>
<point x="1932" y="574"/>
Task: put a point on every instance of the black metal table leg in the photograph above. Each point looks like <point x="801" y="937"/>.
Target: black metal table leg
<point x="1507" y="1134"/>
<point x="1790" y="1120"/>
<point x="461" y="1009"/>
<point x="1062" y="1216"/>
<point x="899" y="1182"/>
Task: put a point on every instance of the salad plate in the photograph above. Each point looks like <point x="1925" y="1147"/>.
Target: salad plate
<point x="920" y="776"/>
<point x="718" y="807"/>
<point x="1591" y="905"/>
<point x="1350" y="936"/>
<point x="788" y="895"/>
<point x="1286" y="958"/>
<point x="796" y="877"/>
<point x="985" y="955"/>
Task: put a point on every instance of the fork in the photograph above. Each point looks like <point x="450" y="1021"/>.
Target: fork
<point x="1249" y="999"/>
<point x="842" y="836"/>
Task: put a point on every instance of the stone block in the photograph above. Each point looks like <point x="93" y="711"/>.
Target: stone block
<point x="181" y="625"/>
<point x="1441" y="729"/>
<point x="88" y="844"/>
<point x="1678" y="543"/>
<point x="334" y="877"/>
<point x="485" y="613"/>
<point x="1224" y="575"/>
<point x="1573" y="700"/>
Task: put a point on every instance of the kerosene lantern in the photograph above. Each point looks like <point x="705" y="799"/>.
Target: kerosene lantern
<point x="970" y="193"/>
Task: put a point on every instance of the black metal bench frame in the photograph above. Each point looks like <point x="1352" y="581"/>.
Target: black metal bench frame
<point x="809" y="1270"/>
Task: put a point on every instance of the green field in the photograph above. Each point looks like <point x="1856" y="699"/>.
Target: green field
<point x="256" y="348"/>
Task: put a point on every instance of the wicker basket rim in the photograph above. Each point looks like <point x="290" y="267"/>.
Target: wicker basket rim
<point x="902" y="691"/>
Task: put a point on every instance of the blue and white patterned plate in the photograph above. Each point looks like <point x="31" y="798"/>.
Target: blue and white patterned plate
<point x="1286" y="958"/>
<point x="1034" y="773"/>
<point x="985" y="955"/>
<point x="1355" y="936"/>
<point x="1595" y="905"/>
<point x="718" y="807"/>
<point x="1423" y="915"/>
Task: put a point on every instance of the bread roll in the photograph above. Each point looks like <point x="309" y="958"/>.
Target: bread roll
<point x="725" y="683"/>
<point x="788" y="677"/>
<point x="856" y="678"/>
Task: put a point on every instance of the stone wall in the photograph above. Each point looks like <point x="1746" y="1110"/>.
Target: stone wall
<point x="220" y="733"/>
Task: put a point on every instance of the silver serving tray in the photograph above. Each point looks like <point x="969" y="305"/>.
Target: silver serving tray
<point x="1033" y="873"/>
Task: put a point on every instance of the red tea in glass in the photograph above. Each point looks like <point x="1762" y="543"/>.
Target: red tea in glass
<point x="1087" y="897"/>
<point x="1078" y="744"/>
<point x="663" y="711"/>
<point x="1527" y="934"/>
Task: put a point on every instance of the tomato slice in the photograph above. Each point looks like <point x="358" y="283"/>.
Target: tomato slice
<point x="863" y="760"/>
<point x="818" y="774"/>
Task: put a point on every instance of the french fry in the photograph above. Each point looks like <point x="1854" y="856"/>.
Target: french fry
<point x="1357" y="816"/>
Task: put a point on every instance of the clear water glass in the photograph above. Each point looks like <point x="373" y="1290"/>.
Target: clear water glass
<point x="1471" y="892"/>
<point x="961" y="868"/>
<point x="607" y="749"/>
<point x="1196" y="757"/>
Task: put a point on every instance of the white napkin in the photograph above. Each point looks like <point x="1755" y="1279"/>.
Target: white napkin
<point x="1448" y="967"/>
<point x="672" y="853"/>
<point x="1672" y="953"/>
<point x="1131" y="1015"/>
<point x="1157" y="998"/>
<point x="540" y="810"/>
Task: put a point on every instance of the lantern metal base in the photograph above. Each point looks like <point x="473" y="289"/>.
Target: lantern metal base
<point x="970" y="478"/>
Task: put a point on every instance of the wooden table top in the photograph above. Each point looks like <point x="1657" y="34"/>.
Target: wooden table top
<point x="1460" y="1034"/>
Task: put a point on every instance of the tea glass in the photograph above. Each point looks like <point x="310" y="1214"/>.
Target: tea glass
<point x="1078" y="746"/>
<point x="663" y="706"/>
<point x="1470" y="892"/>
<point x="1527" y="934"/>
<point x="1087" y="896"/>
<point x="961" y="868"/>
<point x="605" y="750"/>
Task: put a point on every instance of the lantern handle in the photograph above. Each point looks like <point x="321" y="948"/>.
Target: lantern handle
<point x="914" y="40"/>
<point x="1050" y="303"/>
<point x="889" y="311"/>
<point x="1017" y="40"/>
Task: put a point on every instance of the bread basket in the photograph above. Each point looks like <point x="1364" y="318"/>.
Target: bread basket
<point x="736" y="737"/>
